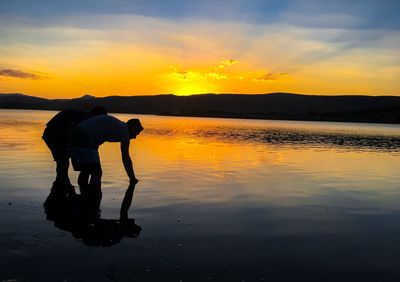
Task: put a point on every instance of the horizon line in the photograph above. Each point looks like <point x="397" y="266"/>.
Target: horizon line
<point x="90" y="96"/>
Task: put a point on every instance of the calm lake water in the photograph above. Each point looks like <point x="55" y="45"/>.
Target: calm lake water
<point x="218" y="200"/>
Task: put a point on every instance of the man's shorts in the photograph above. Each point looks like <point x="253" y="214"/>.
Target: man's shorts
<point x="57" y="145"/>
<point x="87" y="159"/>
<point x="84" y="155"/>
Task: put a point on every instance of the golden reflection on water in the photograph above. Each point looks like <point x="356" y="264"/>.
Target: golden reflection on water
<point x="175" y="164"/>
<point x="203" y="192"/>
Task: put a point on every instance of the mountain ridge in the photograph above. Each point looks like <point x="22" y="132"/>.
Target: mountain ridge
<point x="279" y="105"/>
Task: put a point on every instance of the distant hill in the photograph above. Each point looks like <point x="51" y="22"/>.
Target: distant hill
<point x="383" y="109"/>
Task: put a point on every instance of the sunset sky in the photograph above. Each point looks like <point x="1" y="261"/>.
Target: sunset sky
<point x="53" y="48"/>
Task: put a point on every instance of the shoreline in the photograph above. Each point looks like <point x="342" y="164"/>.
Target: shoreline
<point x="271" y="116"/>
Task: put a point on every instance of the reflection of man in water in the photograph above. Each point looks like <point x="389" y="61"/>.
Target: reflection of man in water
<point x="72" y="214"/>
<point x="84" y="142"/>
<point x="55" y="136"/>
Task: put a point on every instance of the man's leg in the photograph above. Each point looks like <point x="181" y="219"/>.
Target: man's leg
<point x="83" y="181"/>
<point x="62" y="185"/>
<point x="87" y="161"/>
<point x="95" y="185"/>
<point x="95" y="179"/>
<point x="58" y="149"/>
<point x="62" y="166"/>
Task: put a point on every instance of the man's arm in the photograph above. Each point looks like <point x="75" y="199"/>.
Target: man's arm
<point x="126" y="159"/>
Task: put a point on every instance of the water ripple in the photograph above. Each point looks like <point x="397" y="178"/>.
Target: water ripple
<point x="351" y="140"/>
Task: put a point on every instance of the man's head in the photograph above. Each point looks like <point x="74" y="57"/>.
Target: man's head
<point x="134" y="127"/>
<point x="96" y="111"/>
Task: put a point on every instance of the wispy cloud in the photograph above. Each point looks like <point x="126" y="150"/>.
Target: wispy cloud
<point x="190" y="75"/>
<point x="227" y="63"/>
<point x="235" y="46"/>
<point x="218" y="73"/>
<point x="212" y="73"/>
<point x="19" y="74"/>
<point x="217" y="76"/>
<point x="271" y="76"/>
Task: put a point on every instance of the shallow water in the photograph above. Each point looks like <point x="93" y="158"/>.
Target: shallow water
<point x="218" y="199"/>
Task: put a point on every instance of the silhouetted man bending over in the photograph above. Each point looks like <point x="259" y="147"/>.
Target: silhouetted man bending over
<point x="84" y="142"/>
<point x="55" y="136"/>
